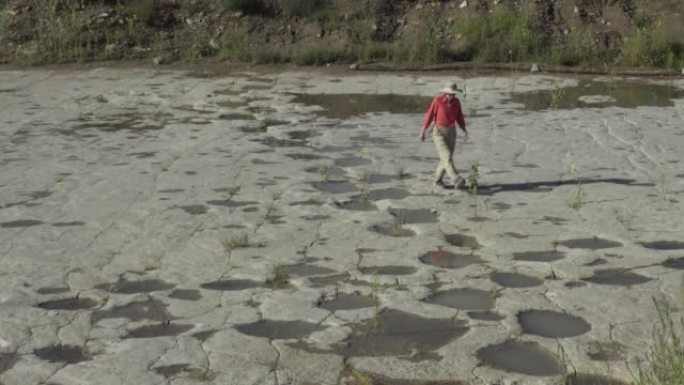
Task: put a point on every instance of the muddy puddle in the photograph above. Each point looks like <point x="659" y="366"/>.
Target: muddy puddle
<point x="552" y="324"/>
<point x="590" y="243"/>
<point x="329" y="280"/>
<point x="344" y="301"/>
<point x="334" y="187"/>
<point x="617" y="277"/>
<point x="279" y="330"/>
<point x="465" y="241"/>
<point x="515" y="280"/>
<point x="232" y="285"/>
<point x="600" y="94"/>
<point x="663" y="245"/>
<point x="345" y="106"/>
<point x="520" y="357"/>
<point x="539" y="256"/>
<point x="606" y="351"/>
<point x="7" y="361"/>
<point x="76" y="303"/>
<point x="463" y="299"/>
<point x="413" y="216"/>
<point x="186" y="294"/>
<point x="674" y="263"/>
<point x="67" y="354"/>
<point x="397" y="333"/>
<point x="357" y="204"/>
<point x="449" y="260"/>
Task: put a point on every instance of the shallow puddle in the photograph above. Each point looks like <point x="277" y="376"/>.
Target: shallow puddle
<point x="590" y="243"/>
<point x="20" y="223"/>
<point x="674" y="263"/>
<point x="169" y="371"/>
<point x="618" y="277"/>
<point x="345" y="106"/>
<point x="410" y="216"/>
<point x="334" y="187"/>
<point x="232" y="285"/>
<point x="464" y="299"/>
<point x="230" y="203"/>
<point x="515" y="280"/>
<point x="552" y="324"/>
<point x="160" y="330"/>
<point x="279" y="330"/>
<point x="151" y="309"/>
<point x="486" y="316"/>
<point x="124" y="286"/>
<point x="304" y="270"/>
<point x="448" y="260"/>
<point x="195" y="209"/>
<point x="344" y="301"/>
<point x="663" y="245"/>
<point x="591" y="379"/>
<point x="186" y="294"/>
<point x="387" y="270"/>
<point x="625" y="94"/>
<point x="392" y="229"/>
<point x="539" y="256"/>
<point x="78" y="303"/>
<point x="520" y="357"/>
<point x="7" y="361"/>
<point x="397" y="333"/>
<point x="68" y="354"/>
<point x="328" y="280"/>
<point x="465" y="241"/>
<point x="388" y="193"/>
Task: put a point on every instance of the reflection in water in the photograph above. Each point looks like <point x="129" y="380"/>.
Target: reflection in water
<point x="625" y="94"/>
<point x="345" y="106"/>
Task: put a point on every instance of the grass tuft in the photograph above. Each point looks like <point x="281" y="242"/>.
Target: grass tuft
<point x="280" y="278"/>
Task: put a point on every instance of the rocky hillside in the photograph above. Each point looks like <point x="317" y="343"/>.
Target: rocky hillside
<point x="588" y="33"/>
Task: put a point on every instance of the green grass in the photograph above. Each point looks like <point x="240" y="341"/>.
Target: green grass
<point x="280" y="278"/>
<point x="664" y="364"/>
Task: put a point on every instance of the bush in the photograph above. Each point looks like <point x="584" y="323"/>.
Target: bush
<point x="652" y="47"/>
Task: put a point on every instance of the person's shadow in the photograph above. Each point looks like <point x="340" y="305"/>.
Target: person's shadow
<point x="546" y="186"/>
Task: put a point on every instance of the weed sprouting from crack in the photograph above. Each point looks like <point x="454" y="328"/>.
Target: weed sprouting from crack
<point x="576" y="200"/>
<point x="474" y="184"/>
<point x="280" y="278"/>
<point x="236" y="242"/>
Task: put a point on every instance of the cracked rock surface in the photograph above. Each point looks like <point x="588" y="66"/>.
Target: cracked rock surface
<point x="158" y="227"/>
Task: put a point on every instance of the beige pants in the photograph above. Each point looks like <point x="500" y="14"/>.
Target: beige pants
<point x="445" y="142"/>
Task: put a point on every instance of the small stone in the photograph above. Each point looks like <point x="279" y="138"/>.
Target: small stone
<point x="576" y="10"/>
<point x="157" y="60"/>
<point x="103" y="15"/>
<point x="463" y="4"/>
<point x="535" y="68"/>
<point x="355" y="67"/>
<point x="682" y="71"/>
<point x="213" y="43"/>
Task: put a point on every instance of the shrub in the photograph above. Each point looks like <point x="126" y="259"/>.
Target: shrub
<point x="652" y="47"/>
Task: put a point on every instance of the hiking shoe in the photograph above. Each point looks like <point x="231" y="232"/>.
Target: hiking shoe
<point x="439" y="183"/>
<point x="459" y="183"/>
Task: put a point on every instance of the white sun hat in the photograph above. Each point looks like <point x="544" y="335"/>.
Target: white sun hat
<point x="451" y="88"/>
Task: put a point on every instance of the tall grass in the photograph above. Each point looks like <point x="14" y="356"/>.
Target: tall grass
<point x="664" y="365"/>
<point x="652" y="46"/>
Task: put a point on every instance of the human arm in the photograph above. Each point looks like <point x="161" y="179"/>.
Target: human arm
<point x="428" y="118"/>
<point x="460" y="119"/>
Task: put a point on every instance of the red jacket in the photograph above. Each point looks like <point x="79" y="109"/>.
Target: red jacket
<point x="444" y="113"/>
